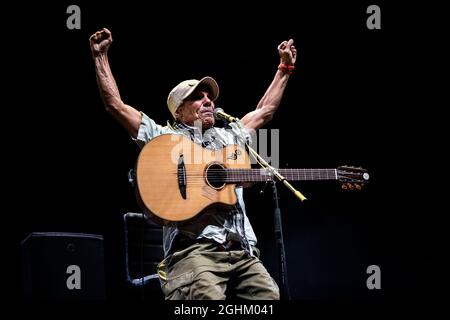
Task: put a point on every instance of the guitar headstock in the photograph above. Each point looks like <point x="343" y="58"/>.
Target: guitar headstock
<point x="352" y="178"/>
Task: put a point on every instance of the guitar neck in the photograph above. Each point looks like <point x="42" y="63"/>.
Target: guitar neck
<point x="256" y="175"/>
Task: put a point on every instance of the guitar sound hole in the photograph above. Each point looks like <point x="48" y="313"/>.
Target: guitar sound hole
<point x="215" y="175"/>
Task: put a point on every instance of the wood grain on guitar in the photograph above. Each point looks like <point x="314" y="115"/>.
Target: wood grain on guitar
<point x="177" y="179"/>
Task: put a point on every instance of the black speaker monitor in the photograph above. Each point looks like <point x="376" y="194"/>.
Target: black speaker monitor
<point x="61" y="265"/>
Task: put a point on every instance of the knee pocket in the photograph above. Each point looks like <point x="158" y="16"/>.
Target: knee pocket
<point x="191" y="286"/>
<point x="178" y="288"/>
<point x="180" y="293"/>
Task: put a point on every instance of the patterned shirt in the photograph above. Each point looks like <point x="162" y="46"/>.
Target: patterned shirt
<point x="215" y="223"/>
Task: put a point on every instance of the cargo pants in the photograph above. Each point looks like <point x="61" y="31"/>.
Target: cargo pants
<point x="205" y="271"/>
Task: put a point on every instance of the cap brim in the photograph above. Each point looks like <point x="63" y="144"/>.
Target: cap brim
<point x="212" y="85"/>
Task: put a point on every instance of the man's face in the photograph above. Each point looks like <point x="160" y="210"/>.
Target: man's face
<point x="197" y="106"/>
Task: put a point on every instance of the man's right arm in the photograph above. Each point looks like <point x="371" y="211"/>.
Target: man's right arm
<point x="127" y="116"/>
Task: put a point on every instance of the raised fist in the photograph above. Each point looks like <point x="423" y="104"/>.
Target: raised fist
<point x="287" y="52"/>
<point x="100" y="41"/>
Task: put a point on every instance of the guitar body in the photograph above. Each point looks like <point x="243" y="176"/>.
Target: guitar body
<point x="178" y="179"/>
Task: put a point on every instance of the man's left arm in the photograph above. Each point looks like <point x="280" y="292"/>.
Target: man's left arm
<point x="271" y="100"/>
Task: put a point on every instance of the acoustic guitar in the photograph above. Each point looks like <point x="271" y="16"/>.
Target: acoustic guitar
<point x="177" y="179"/>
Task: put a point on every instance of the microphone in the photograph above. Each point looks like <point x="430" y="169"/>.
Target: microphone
<point x="219" y="114"/>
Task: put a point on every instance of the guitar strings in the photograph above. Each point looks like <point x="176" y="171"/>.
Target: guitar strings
<point x="199" y="178"/>
<point x="240" y="175"/>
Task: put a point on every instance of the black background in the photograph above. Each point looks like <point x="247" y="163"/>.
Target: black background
<point x="356" y="98"/>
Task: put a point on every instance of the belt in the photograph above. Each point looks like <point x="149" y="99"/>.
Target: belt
<point x="182" y="243"/>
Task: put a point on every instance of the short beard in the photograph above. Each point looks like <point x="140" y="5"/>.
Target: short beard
<point x="208" y="123"/>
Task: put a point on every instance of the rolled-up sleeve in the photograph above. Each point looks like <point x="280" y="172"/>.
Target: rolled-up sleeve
<point x="148" y="130"/>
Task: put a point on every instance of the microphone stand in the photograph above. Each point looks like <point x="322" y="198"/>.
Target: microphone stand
<point x="279" y="243"/>
<point x="282" y="265"/>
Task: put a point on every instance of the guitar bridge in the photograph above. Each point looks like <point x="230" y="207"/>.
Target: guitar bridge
<point x="181" y="172"/>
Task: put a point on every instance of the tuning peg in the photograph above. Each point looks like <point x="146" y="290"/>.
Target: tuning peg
<point x="351" y="186"/>
<point x="358" y="186"/>
<point x="344" y="186"/>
